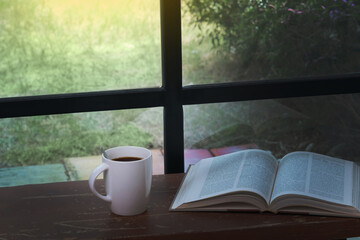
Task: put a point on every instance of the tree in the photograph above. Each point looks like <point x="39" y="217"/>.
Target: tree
<point x="283" y="38"/>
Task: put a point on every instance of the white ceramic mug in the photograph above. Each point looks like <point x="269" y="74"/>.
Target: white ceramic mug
<point x="127" y="183"/>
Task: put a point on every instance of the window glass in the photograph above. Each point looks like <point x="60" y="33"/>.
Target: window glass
<point x="66" y="147"/>
<point x="325" y="124"/>
<point x="225" y="41"/>
<point x="62" y="46"/>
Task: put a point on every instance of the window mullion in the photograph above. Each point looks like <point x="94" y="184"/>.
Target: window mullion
<point x="172" y="83"/>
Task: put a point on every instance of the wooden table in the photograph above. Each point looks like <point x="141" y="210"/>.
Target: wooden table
<point x="69" y="210"/>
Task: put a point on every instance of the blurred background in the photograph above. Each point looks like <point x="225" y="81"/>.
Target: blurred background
<point x="53" y="46"/>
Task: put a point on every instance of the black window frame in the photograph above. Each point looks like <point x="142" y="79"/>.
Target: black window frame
<point x="172" y="95"/>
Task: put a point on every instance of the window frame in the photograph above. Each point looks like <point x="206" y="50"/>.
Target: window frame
<point x="172" y="96"/>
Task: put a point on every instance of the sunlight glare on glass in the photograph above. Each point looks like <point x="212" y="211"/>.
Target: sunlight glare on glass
<point x="53" y="46"/>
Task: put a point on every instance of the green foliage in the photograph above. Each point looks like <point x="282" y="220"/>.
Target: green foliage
<point x="54" y="46"/>
<point x="50" y="139"/>
<point x="286" y="38"/>
<point x="226" y="137"/>
<point x="283" y="38"/>
<point x="62" y="46"/>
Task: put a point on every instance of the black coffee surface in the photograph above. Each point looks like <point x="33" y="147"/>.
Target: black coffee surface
<point x="126" y="159"/>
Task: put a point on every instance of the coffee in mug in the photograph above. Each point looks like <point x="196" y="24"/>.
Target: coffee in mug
<point x="126" y="159"/>
<point x="127" y="177"/>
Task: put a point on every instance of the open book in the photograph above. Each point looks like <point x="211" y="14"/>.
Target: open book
<point x="253" y="180"/>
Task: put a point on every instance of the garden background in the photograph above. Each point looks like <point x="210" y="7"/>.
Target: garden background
<point x="53" y="46"/>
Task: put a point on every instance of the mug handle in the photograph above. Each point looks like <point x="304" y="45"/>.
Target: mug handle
<point x="99" y="169"/>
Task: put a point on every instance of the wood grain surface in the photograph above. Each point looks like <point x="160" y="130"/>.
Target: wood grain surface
<point x="69" y="210"/>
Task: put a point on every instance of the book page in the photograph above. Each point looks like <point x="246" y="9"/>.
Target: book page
<point x="250" y="170"/>
<point x="258" y="174"/>
<point x="356" y="186"/>
<point x="315" y="175"/>
<point x="216" y="173"/>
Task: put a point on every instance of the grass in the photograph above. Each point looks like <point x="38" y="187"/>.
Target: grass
<point x="50" y="139"/>
<point x="53" y="46"/>
<point x="65" y="46"/>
